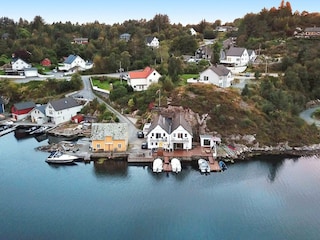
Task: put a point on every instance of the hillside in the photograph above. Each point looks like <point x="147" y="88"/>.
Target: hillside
<point x="229" y="116"/>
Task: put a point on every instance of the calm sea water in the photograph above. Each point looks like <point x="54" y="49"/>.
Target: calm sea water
<point x="265" y="199"/>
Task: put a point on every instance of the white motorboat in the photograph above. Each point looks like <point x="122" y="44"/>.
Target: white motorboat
<point x="157" y="165"/>
<point x="204" y="165"/>
<point x="60" y="158"/>
<point x="175" y="165"/>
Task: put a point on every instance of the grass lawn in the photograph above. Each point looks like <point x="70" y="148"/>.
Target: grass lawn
<point x="106" y="84"/>
<point x="185" y="77"/>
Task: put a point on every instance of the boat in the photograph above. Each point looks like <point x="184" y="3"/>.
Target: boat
<point x="39" y="130"/>
<point x="157" y="165"/>
<point x="223" y="165"/>
<point x="60" y="158"/>
<point x="204" y="165"/>
<point x="175" y="165"/>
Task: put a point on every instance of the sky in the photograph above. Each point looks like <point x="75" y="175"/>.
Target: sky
<point x="110" y="12"/>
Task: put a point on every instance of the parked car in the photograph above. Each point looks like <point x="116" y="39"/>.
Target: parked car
<point x="140" y="134"/>
<point x="144" y="145"/>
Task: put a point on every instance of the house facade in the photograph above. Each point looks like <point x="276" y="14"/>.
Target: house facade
<point x="22" y="110"/>
<point x="62" y="110"/>
<point x="152" y="42"/>
<point x="125" y="36"/>
<point x="235" y="57"/>
<point x="38" y="114"/>
<point x="218" y="75"/>
<point x="170" y="133"/>
<point x="75" y="62"/>
<point x="141" y="80"/>
<point x="19" y="64"/>
<point x="109" y="137"/>
<point x="80" y="41"/>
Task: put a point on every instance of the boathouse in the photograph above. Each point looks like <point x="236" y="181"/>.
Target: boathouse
<point x="22" y="110"/>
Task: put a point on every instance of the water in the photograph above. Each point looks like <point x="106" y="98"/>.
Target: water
<point x="265" y="199"/>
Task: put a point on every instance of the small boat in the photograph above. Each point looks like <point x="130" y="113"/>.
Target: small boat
<point x="157" y="165"/>
<point x="60" y="158"/>
<point x="31" y="129"/>
<point x="175" y="165"/>
<point x="223" y="165"/>
<point x="204" y="166"/>
<point x="39" y="130"/>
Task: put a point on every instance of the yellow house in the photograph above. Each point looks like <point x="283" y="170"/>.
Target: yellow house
<point x="109" y="137"/>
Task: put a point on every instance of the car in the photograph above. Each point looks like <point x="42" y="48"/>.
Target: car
<point x="144" y="145"/>
<point x="140" y="134"/>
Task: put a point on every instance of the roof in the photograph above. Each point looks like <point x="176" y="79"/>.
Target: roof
<point x="24" y="105"/>
<point x="70" y="59"/>
<point x="170" y="123"/>
<point x="41" y="108"/>
<point x="141" y="74"/>
<point x="64" y="103"/>
<point x="312" y="29"/>
<point x="235" y="51"/>
<point x="220" y="70"/>
<point x="149" y="39"/>
<point x="118" y="131"/>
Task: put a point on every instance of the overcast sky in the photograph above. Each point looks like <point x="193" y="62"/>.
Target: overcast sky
<point x="110" y="12"/>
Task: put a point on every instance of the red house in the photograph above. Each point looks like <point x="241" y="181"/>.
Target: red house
<point x="77" y="118"/>
<point x="21" y="110"/>
<point x="46" y="62"/>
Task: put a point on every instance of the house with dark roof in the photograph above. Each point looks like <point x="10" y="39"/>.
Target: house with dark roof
<point x="109" y="137"/>
<point x="235" y="56"/>
<point x="38" y="114"/>
<point x="218" y="75"/>
<point x="75" y="63"/>
<point x="22" y="110"/>
<point x="125" y="36"/>
<point x="62" y="110"/>
<point x="141" y="80"/>
<point x="152" y="42"/>
<point x="170" y="132"/>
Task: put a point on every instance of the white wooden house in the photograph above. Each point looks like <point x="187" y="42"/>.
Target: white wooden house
<point x="19" y="64"/>
<point x="218" y="75"/>
<point x="170" y="133"/>
<point x="38" y="114"/>
<point x="75" y="63"/>
<point x="62" y="110"/>
<point x="141" y="80"/>
<point x="235" y="56"/>
<point x="152" y="42"/>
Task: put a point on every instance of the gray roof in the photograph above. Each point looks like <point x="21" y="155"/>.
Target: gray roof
<point x="42" y="108"/>
<point x="118" y="131"/>
<point x="220" y="70"/>
<point x="312" y="29"/>
<point x="64" y="103"/>
<point x="235" y="51"/>
<point x="70" y="59"/>
<point x="24" y="105"/>
<point x="170" y="123"/>
<point x="149" y="39"/>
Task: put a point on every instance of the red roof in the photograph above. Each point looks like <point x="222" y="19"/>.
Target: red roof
<point x="141" y="74"/>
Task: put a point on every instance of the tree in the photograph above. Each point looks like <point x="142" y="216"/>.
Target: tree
<point x="175" y="68"/>
<point x="215" y="57"/>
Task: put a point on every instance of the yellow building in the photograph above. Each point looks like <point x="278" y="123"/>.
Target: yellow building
<point x="109" y="137"/>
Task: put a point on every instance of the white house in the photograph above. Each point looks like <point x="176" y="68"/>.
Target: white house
<point x="170" y="132"/>
<point x="141" y="80"/>
<point x="235" y="56"/>
<point x="31" y="72"/>
<point x="192" y="31"/>
<point x="252" y="55"/>
<point x="62" y="110"/>
<point x="75" y="62"/>
<point x="19" y="64"/>
<point x="38" y="114"/>
<point x="218" y="75"/>
<point x="152" y="42"/>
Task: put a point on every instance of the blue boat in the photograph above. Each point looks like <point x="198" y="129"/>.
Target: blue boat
<point x="223" y="165"/>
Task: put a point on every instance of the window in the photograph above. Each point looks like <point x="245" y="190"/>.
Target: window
<point x="185" y="135"/>
<point x="119" y="145"/>
<point x="98" y="146"/>
<point x="180" y="135"/>
<point x="205" y="78"/>
<point x="158" y="135"/>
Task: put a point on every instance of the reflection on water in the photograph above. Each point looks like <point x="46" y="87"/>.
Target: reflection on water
<point x="111" y="167"/>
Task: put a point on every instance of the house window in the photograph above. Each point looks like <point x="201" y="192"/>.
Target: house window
<point x="205" y="78"/>
<point x="119" y="145"/>
<point x="185" y="135"/>
<point x="180" y="135"/>
<point x="98" y="146"/>
<point x="158" y="135"/>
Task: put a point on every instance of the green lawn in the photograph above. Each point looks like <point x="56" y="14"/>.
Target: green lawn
<point x="185" y="77"/>
<point x="106" y="84"/>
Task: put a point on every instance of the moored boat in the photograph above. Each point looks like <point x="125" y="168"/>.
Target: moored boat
<point x="204" y="166"/>
<point x="175" y="165"/>
<point x="157" y="165"/>
<point x="59" y="157"/>
<point x="223" y="165"/>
